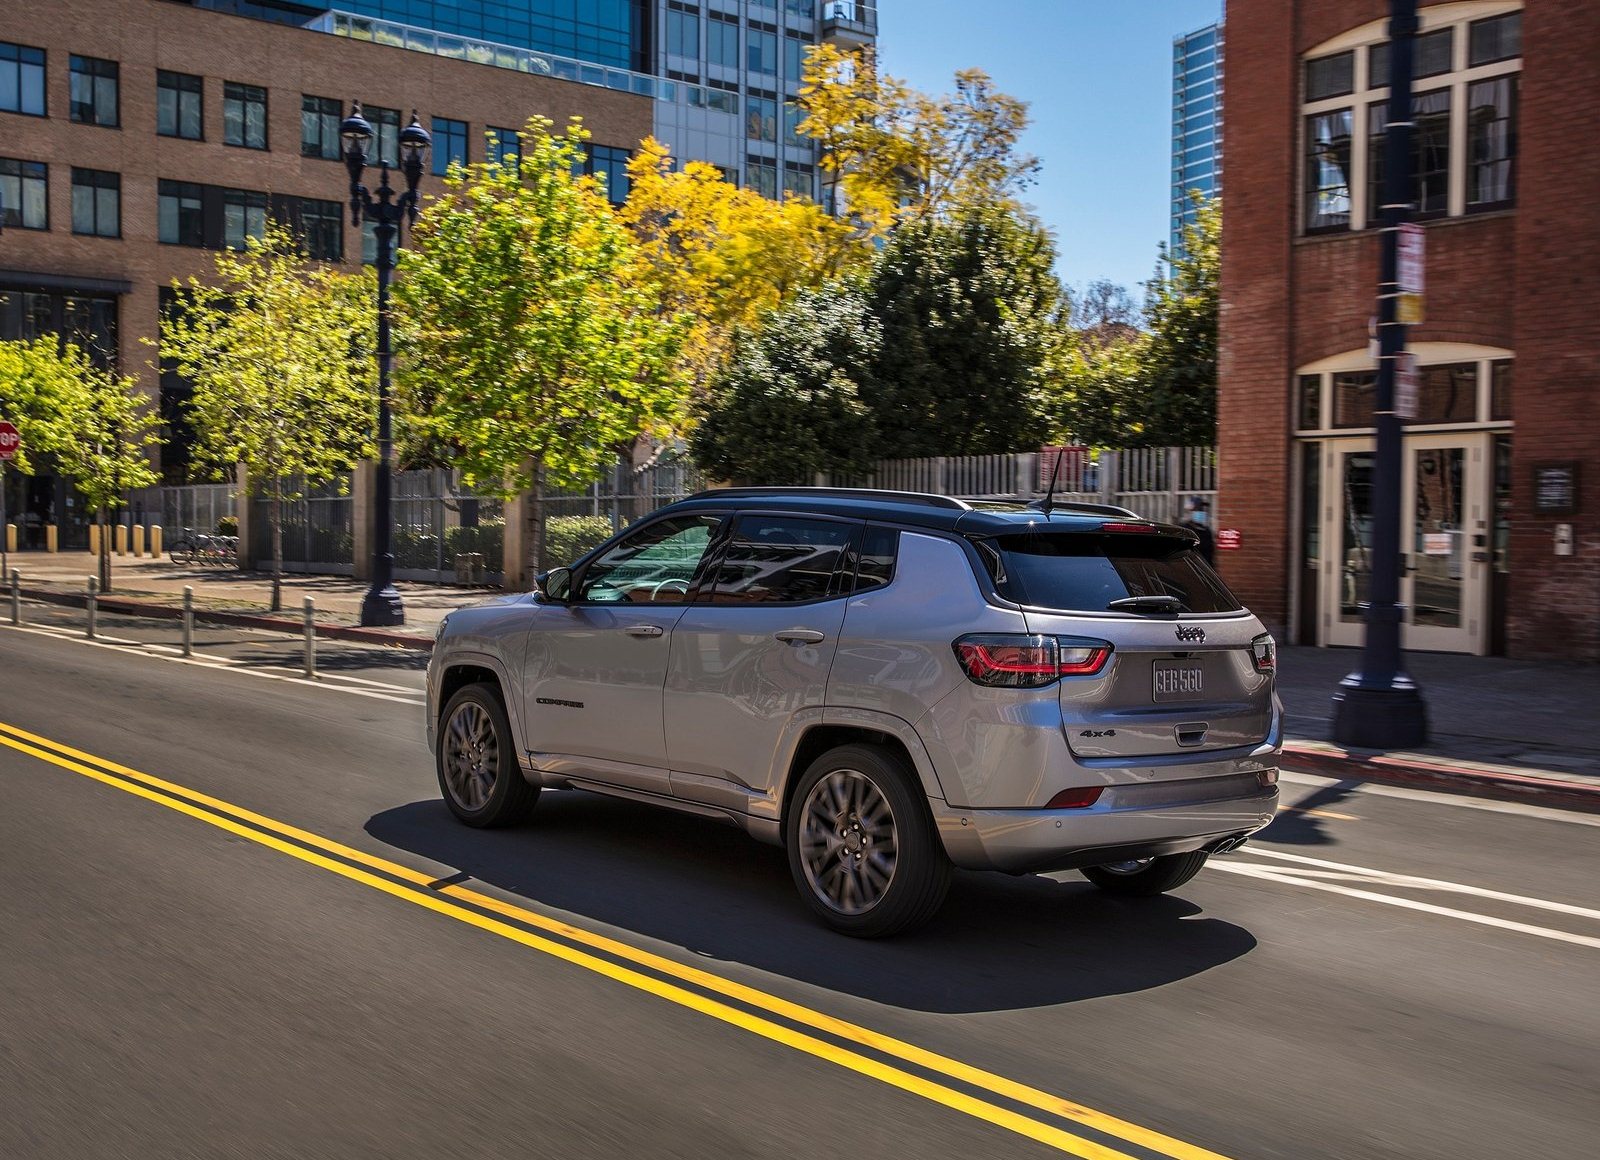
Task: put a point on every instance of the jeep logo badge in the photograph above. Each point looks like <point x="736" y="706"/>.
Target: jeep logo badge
<point x="1192" y="635"/>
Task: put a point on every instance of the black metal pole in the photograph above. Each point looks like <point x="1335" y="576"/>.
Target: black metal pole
<point x="382" y="606"/>
<point x="1379" y="706"/>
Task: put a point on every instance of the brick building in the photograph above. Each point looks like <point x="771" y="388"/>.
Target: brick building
<point x="138" y="135"/>
<point x="1501" y="490"/>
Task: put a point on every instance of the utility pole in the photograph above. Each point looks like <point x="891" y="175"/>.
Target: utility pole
<point x="1379" y="706"/>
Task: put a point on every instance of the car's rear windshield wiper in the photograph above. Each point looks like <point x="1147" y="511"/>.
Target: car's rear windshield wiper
<point x="1146" y="604"/>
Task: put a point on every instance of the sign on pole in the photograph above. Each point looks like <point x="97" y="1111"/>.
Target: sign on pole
<point x="10" y="440"/>
<point x="1407" y="386"/>
<point x="1408" y="273"/>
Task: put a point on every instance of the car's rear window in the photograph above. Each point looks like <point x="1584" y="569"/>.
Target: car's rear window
<point x="1081" y="572"/>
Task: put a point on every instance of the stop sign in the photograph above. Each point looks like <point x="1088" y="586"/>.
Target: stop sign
<point x="10" y="440"/>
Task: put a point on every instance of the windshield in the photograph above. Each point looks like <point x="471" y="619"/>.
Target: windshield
<point x="1085" y="573"/>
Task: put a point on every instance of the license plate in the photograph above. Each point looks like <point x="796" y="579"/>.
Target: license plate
<point x="1179" y="681"/>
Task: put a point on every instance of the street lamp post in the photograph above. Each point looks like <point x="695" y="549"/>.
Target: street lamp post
<point x="1380" y="706"/>
<point x="381" y="606"/>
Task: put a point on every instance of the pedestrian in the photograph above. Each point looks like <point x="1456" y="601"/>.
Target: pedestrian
<point x="1198" y="520"/>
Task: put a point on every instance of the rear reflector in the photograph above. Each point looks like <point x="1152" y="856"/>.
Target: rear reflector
<point x="1075" y="799"/>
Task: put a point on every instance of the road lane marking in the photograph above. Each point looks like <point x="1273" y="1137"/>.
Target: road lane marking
<point x="1385" y="877"/>
<point x="157" y="652"/>
<point x="1440" y="798"/>
<point x="1288" y="877"/>
<point x="453" y="901"/>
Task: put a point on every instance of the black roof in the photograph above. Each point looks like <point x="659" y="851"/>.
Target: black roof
<point x="911" y="509"/>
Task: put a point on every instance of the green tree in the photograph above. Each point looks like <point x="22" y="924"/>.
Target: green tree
<point x="1180" y="357"/>
<point x="966" y="308"/>
<point x="529" y="346"/>
<point x="95" y="425"/>
<point x="785" y="406"/>
<point x="279" y="352"/>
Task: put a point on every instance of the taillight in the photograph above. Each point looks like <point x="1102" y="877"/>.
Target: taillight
<point x="1134" y="529"/>
<point x="1018" y="661"/>
<point x="1264" y="653"/>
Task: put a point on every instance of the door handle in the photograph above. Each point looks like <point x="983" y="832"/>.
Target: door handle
<point x="800" y="636"/>
<point x="644" y="630"/>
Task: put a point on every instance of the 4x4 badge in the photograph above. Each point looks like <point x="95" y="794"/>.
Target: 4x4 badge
<point x="1194" y="635"/>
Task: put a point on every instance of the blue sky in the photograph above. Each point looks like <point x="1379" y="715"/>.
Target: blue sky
<point x="1098" y="77"/>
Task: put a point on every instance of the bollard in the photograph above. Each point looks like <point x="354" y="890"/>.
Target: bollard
<point x="90" y="604"/>
<point x="155" y="541"/>
<point x="119" y="540"/>
<point x="94" y="539"/>
<point x="11" y="537"/>
<point x="188" y="620"/>
<point x="16" y="597"/>
<point x="50" y="538"/>
<point x="311" y="638"/>
<point x="136" y="536"/>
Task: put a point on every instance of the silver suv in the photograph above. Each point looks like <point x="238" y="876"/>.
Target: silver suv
<point x="885" y="684"/>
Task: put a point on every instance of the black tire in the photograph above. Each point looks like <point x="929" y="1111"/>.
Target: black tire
<point x="1159" y="875"/>
<point x="473" y="799"/>
<point x="919" y="874"/>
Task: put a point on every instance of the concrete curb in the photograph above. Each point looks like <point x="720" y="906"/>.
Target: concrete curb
<point x="128" y="606"/>
<point x="1477" y="781"/>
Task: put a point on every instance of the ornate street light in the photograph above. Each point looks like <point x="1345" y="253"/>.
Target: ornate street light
<point x="382" y="606"/>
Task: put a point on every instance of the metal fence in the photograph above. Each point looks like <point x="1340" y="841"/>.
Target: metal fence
<point x="318" y="532"/>
<point x="200" y="507"/>
<point x="445" y="534"/>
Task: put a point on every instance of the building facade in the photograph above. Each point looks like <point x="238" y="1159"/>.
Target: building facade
<point x="1196" y="123"/>
<point x="137" y="135"/>
<point x="1501" y="465"/>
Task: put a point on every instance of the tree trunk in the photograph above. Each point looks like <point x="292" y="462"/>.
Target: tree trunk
<point x="277" y="549"/>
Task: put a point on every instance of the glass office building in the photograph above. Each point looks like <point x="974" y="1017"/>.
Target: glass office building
<point x="1196" y="122"/>
<point x="609" y="32"/>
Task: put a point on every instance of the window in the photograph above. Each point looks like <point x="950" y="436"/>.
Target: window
<point x="1353" y="395"/>
<point x="180" y="106"/>
<point x="1083" y="573"/>
<point x="96" y="203"/>
<point x="782" y="560"/>
<point x="21" y="79"/>
<point x="179" y="213"/>
<point x="1449" y="394"/>
<point x="1498" y="38"/>
<point x="244" y="215"/>
<point x="321" y="228"/>
<point x="1500" y="389"/>
<point x="722" y="40"/>
<point x="1328" y="171"/>
<point x="794" y="56"/>
<point x="1491" y="142"/>
<point x="1310" y="410"/>
<point x="1330" y="76"/>
<point x="796" y="180"/>
<point x="244" y="116"/>
<point x="793" y="114"/>
<point x="319" y="127"/>
<point x="683" y="33"/>
<point x="762" y="50"/>
<point x="653" y="565"/>
<point x="1464" y="125"/>
<point x="369" y="242"/>
<point x="761" y="176"/>
<point x="875" y="560"/>
<point x="24" y="194"/>
<point x="502" y="146"/>
<point x="385" y="145"/>
<point x="94" y="91"/>
<point x="1430" y="155"/>
<point x="449" y="144"/>
<point x="761" y="118"/>
<point x="610" y="165"/>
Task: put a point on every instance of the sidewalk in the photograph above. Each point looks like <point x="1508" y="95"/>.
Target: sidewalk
<point x="1499" y="728"/>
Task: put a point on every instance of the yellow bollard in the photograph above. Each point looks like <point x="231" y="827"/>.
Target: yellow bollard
<point x="155" y="541"/>
<point x="11" y="537"/>
<point x="49" y="537"/>
<point x="94" y="539"/>
<point x="119" y="540"/>
<point x="136" y="538"/>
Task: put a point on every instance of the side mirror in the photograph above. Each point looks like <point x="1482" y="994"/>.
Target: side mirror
<point x="555" y="585"/>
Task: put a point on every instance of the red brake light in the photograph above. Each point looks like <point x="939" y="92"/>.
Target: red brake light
<point x="1018" y="661"/>
<point x="1137" y="529"/>
<point x="1082" y="797"/>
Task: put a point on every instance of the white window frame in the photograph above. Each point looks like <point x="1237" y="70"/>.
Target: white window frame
<point x="1428" y="354"/>
<point x="1460" y="77"/>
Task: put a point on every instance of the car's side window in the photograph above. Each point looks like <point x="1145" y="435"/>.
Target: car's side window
<point x="781" y="560"/>
<point x="654" y="565"/>
<point x="874" y="560"/>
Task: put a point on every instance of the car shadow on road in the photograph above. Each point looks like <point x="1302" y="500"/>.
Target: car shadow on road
<point x="1000" y="943"/>
<point x="1298" y="824"/>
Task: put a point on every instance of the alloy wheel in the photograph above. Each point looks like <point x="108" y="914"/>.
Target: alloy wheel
<point x="471" y="756"/>
<point x="848" y="841"/>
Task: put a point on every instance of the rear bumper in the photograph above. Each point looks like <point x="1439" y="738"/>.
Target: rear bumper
<point x="1116" y="828"/>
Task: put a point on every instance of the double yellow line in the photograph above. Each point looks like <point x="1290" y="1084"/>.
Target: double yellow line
<point x="1016" y="1107"/>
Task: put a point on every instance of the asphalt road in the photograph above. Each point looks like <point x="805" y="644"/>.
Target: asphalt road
<point x="285" y="947"/>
